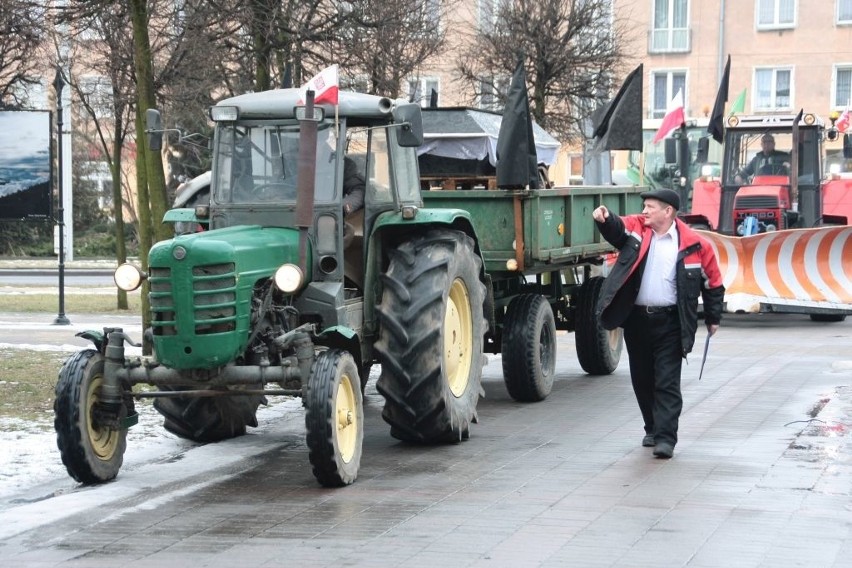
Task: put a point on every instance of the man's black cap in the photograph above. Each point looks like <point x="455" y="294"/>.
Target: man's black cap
<point x="665" y="195"/>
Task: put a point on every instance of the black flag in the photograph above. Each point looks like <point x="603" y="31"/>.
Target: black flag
<point x="287" y="81"/>
<point x="517" y="161"/>
<point x="716" y="128"/>
<point x="618" y="125"/>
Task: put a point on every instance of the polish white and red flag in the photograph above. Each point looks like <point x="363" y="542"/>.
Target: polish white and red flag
<point x="673" y="119"/>
<point x="844" y="121"/>
<point x="324" y="85"/>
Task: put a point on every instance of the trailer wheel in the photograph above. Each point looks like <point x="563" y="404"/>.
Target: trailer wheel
<point x="364" y="374"/>
<point x="598" y="349"/>
<point x="431" y="338"/>
<point x="828" y="318"/>
<point x="334" y="418"/>
<point x="92" y="453"/>
<point x="529" y="348"/>
<point x="207" y="419"/>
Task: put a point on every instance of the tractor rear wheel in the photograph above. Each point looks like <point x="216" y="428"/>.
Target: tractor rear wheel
<point x="334" y="418"/>
<point x="598" y="349"/>
<point x="210" y="418"/>
<point x="91" y="452"/>
<point x="430" y="343"/>
<point x="529" y="348"/>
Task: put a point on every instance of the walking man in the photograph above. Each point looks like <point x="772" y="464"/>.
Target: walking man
<point x="663" y="266"/>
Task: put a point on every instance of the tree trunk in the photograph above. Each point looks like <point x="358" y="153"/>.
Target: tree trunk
<point x="153" y="161"/>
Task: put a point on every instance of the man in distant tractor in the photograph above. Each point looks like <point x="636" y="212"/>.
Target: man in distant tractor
<point x="652" y="292"/>
<point x="768" y="161"/>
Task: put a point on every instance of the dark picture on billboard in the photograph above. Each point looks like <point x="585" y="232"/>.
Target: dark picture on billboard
<point x="25" y="165"/>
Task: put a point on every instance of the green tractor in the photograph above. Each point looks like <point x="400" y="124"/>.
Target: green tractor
<point x="278" y="285"/>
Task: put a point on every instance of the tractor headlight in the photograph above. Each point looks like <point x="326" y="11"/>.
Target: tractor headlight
<point x="128" y="277"/>
<point x="289" y="278"/>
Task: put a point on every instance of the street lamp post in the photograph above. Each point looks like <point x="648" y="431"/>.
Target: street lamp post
<point x="58" y="85"/>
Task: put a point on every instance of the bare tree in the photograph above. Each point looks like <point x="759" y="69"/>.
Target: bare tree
<point x="387" y="40"/>
<point x="571" y="50"/>
<point x="21" y="38"/>
<point x="104" y="87"/>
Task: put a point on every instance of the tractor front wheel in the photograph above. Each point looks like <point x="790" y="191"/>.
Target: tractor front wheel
<point x="92" y="452"/>
<point x="334" y="419"/>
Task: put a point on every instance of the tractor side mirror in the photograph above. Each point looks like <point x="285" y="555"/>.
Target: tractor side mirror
<point x="703" y="150"/>
<point x="410" y="121"/>
<point x="154" y="129"/>
<point x="670" y="150"/>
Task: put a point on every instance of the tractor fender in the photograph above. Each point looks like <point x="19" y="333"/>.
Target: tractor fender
<point x="95" y="336"/>
<point x="341" y="337"/>
<point x="427" y="218"/>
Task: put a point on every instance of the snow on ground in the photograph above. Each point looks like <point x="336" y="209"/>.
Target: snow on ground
<point x="29" y="455"/>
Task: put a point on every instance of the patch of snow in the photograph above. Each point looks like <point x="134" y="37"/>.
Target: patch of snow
<point x="29" y="455"/>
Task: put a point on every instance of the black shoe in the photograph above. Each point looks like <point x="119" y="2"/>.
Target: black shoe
<point x="664" y="450"/>
<point x="648" y="441"/>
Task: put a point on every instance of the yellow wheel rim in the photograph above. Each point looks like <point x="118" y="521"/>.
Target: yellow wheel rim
<point x="346" y="413"/>
<point x="104" y="441"/>
<point x="458" y="338"/>
<point x="614" y="339"/>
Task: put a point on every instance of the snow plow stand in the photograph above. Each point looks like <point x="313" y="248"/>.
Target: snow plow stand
<point x="806" y="271"/>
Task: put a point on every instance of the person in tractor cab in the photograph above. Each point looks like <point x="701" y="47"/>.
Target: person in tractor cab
<point x="768" y="161"/>
<point x="353" y="187"/>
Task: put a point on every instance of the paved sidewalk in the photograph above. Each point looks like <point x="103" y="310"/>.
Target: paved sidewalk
<point x="762" y="477"/>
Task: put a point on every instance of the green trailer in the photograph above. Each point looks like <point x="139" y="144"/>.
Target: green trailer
<point x="271" y="287"/>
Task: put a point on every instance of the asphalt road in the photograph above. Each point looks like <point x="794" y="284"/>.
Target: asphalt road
<point x="50" y="277"/>
<point x="762" y="476"/>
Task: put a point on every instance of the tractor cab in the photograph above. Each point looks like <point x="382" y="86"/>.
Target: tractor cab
<point x="770" y="176"/>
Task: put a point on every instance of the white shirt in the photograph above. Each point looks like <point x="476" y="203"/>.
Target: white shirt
<point x="658" y="287"/>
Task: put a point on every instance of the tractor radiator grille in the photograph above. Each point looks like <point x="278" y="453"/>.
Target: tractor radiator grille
<point x="211" y="303"/>
<point x="757" y="202"/>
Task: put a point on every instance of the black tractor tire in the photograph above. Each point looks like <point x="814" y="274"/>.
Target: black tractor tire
<point x="334" y="418"/>
<point x="91" y="453"/>
<point x="432" y="329"/>
<point x="529" y="348"/>
<point x="828" y="318"/>
<point x="207" y="419"/>
<point x="598" y="349"/>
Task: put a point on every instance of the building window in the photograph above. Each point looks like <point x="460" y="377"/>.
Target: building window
<point x="664" y="86"/>
<point x="96" y="92"/>
<point x="420" y="90"/>
<point x="772" y="89"/>
<point x="671" y="26"/>
<point x="844" y="11"/>
<point x="432" y="11"/>
<point x="774" y="14"/>
<point x="842" y="92"/>
<point x="492" y="90"/>
<point x="96" y="180"/>
<point x="575" y="169"/>
<point x="488" y="12"/>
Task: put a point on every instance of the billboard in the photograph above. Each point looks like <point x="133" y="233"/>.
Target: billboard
<point x="25" y="165"/>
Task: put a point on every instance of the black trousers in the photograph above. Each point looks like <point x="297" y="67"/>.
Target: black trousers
<point x="654" y="349"/>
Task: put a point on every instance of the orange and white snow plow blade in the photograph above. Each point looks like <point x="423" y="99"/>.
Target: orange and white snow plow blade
<point x="791" y="270"/>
